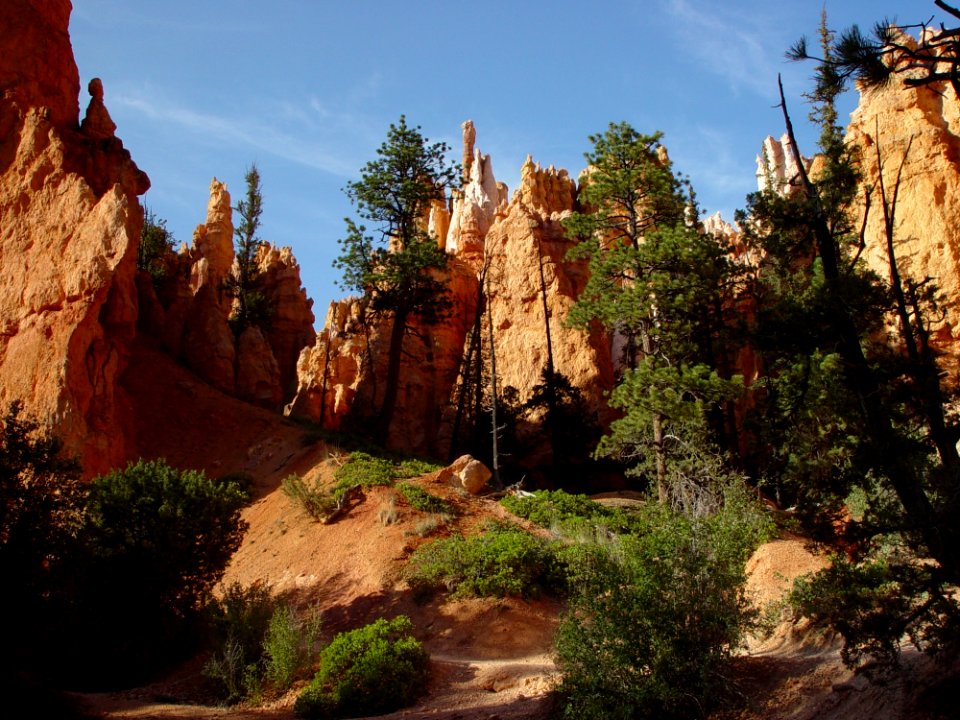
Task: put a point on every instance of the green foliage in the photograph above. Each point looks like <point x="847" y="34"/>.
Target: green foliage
<point x="258" y="638"/>
<point x="312" y="499"/>
<point x="559" y="510"/>
<point x="42" y="502"/>
<point x="875" y="604"/>
<point x="252" y="306"/>
<point x="656" y="615"/>
<point x="369" y="470"/>
<point x="398" y="268"/>
<point x="661" y="283"/>
<point x="156" y="245"/>
<point x="289" y="645"/>
<point x="853" y="406"/>
<point x="239" y="621"/>
<point x="155" y="542"/>
<point x="395" y="192"/>
<point x="373" y="670"/>
<point x="169" y="533"/>
<point x="501" y="561"/>
<point x="366" y="471"/>
<point x="420" y="499"/>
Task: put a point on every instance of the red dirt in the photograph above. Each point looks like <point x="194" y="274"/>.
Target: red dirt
<point x="491" y="658"/>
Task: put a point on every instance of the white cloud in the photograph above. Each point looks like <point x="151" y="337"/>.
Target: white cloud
<point x="286" y="130"/>
<point x="733" y="44"/>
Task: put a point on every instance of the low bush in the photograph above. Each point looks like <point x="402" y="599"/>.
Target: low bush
<point x="368" y="470"/>
<point x="239" y="620"/>
<point x="290" y="645"/>
<point x="373" y="670"/>
<point x="570" y="513"/>
<point x="420" y="499"/>
<point x="502" y="561"/>
<point x="312" y="499"/>
<point x="258" y="638"/>
<point x="874" y="604"/>
<point x="155" y="542"/>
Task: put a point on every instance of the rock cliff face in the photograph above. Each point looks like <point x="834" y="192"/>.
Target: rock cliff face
<point x="189" y="311"/>
<point x="71" y="301"/>
<point x="507" y="244"/>
<point x="71" y="219"/>
<point x="918" y="128"/>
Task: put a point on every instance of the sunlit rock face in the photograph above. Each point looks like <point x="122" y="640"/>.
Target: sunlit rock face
<point x="913" y="133"/>
<point x="70" y="224"/>
<point x="504" y="243"/>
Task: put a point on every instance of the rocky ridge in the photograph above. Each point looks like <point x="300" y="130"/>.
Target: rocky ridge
<point x="71" y="220"/>
<point x="72" y="304"/>
<point x="188" y="311"/>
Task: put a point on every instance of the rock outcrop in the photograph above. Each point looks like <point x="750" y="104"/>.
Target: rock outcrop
<point x="72" y="303"/>
<point x="189" y="310"/>
<point x="511" y="246"/>
<point x="917" y="128"/>
<point x="71" y="220"/>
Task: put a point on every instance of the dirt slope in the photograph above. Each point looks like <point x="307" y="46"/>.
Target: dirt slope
<point x="491" y="658"/>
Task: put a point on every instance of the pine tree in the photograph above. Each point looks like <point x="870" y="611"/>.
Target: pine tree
<point x="661" y="285"/>
<point x="243" y="284"/>
<point x="849" y="419"/>
<point x="396" y="267"/>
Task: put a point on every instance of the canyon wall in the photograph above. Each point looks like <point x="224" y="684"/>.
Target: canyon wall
<point x="914" y="132"/>
<point x="71" y="220"/>
<point x="72" y="305"/>
<point x="188" y="309"/>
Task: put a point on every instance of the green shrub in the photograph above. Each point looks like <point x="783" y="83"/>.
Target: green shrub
<point x="368" y="470"/>
<point x="373" y="670"/>
<point x="502" y="561"/>
<point x="557" y="509"/>
<point x="415" y="467"/>
<point x="876" y="603"/>
<point x="312" y="499"/>
<point x="172" y="532"/>
<point x="364" y="470"/>
<point x="420" y="499"/>
<point x="239" y="621"/>
<point x="42" y="498"/>
<point x="656" y="615"/>
<point x="258" y="638"/>
<point x="289" y="646"/>
<point x="156" y="540"/>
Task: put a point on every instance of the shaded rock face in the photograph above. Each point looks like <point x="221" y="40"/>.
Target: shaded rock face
<point x="71" y="220"/>
<point x="189" y="312"/>
<point x="510" y="242"/>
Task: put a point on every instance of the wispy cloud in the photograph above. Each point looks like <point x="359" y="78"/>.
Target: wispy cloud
<point x="741" y="47"/>
<point x="292" y="130"/>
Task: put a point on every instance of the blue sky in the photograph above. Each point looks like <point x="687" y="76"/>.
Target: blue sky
<point x="307" y="89"/>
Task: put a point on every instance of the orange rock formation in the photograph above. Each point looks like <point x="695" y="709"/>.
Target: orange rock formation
<point x="71" y="220"/>
<point x="338" y="375"/>
<point x="71" y="302"/>
<point x="918" y="128"/>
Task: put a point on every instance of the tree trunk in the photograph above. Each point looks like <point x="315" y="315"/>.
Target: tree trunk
<point x="495" y="430"/>
<point x="663" y="491"/>
<point x="394" y="357"/>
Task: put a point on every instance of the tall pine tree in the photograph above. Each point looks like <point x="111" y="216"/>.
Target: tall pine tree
<point x="396" y="266"/>
<point x="660" y="285"/>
